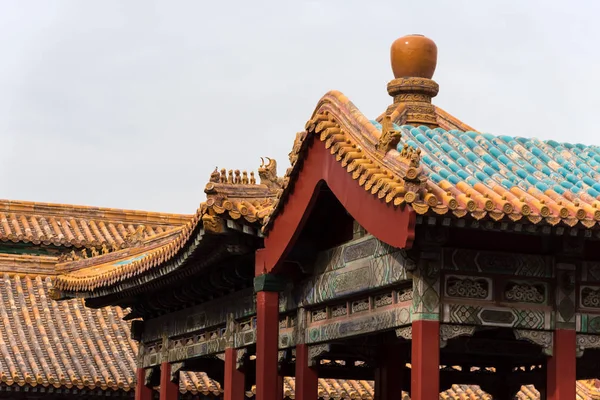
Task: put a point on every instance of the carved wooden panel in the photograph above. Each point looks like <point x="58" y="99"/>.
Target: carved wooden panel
<point x="589" y="298"/>
<point x="468" y="287"/>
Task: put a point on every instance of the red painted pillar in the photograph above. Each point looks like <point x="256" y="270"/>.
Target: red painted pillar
<point x="279" y="387"/>
<point x="233" y="387"/>
<point x="168" y="390"/>
<point x="389" y="374"/>
<point x="307" y="379"/>
<point x="561" y="378"/>
<point x="142" y="392"/>
<point x="425" y="360"/>
<point x="267" y="343"/>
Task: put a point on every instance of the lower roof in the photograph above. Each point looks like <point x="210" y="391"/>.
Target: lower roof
<point x="66" y="345"/>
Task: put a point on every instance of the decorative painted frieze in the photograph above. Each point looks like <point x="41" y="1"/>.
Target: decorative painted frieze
<point x="497" y="263"/>
<point x="497" y="316"/>
<point x="565" y="296"/>
<point x="587" y="323"/>
<point x="213" y="313"/>
<point x="426" y="291"/>
<point x="360" y="324"/>
<point x="361" y="265"/>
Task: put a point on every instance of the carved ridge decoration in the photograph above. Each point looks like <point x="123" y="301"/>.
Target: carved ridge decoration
<point x="448" y="332"/>
<point x="316" y="351"/>
<point x="524" y="293"/>
<point x="471" y="288"/>
<point x="587" y="342"/>
<point x="389" y="136"/>
<point x="544" y="339"/>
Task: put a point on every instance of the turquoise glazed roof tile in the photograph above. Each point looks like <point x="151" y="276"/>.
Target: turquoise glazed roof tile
<point x="520" y="176"/>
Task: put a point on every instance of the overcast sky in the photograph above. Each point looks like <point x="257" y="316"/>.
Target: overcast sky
<point x="132" y="104"/>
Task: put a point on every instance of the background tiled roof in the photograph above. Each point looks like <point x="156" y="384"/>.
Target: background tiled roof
<point x="79" y="226"/>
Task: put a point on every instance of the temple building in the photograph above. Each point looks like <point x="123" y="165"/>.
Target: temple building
<point x="409" y="255"/>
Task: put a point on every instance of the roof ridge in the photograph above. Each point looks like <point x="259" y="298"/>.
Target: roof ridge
<point x="72" y="210"/>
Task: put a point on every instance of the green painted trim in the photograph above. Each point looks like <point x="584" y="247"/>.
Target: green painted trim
<point x="269" y="283"/>
<point x="425" y="317"/>
<point x="565" y="325"/>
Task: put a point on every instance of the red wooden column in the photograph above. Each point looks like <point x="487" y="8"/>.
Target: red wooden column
<point x="425" y="360"/>
<point x="267" y="287"/>
<point x="561" y="376"/>
<point x="280" y="387"/>
<point x="142" y="392"/>
<point x="169" y="390"/>
<point x="307" y="379"/>
<point x="234" y="378"/>
<point x="389" y="374"/>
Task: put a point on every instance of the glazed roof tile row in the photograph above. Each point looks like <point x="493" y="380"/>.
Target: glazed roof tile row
<point x="44" y="342"/>
<point x="511" y="176"/>
<point x="78" y="226"/>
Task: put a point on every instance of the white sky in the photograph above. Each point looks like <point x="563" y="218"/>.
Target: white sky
<point x="132" y="104"/>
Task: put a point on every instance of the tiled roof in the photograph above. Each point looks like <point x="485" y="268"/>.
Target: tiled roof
<point x="63" y="344"/>
<point x="435" y="171"/>
<point x="90" y="274"/>
<point x="227" y="197"/>
<point x="338" y="389"/>
<point x="32" y="265"/>
<point x="453" y="172"/>
<point x="78" y="226"/>
<point x="510" y="176"/>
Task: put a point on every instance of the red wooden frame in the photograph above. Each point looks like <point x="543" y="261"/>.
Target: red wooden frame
<point x="392" y="225"/>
